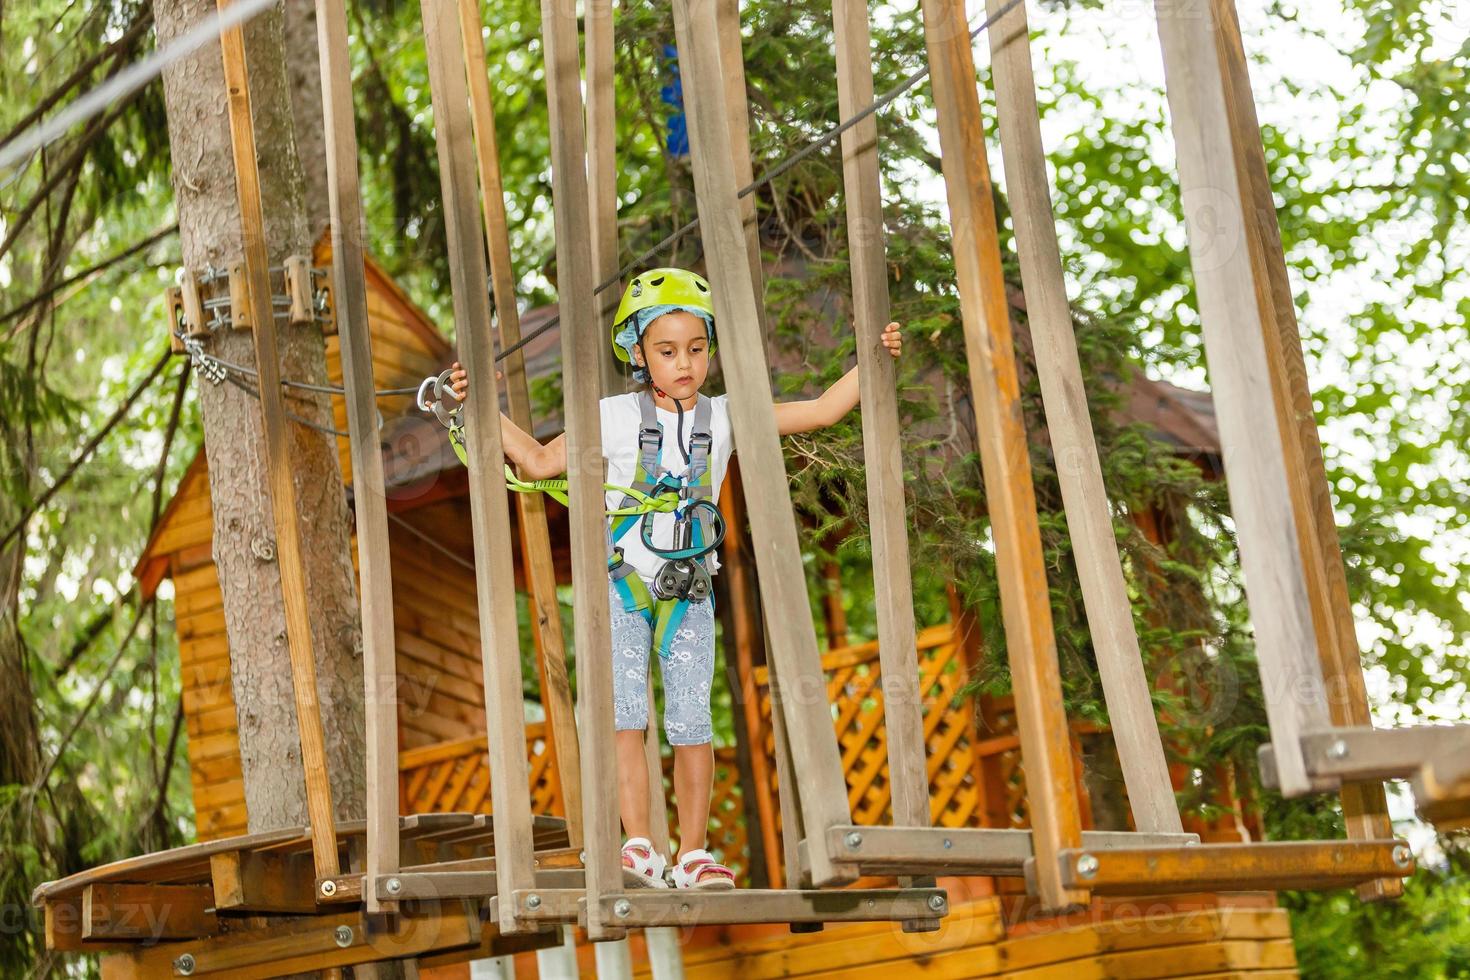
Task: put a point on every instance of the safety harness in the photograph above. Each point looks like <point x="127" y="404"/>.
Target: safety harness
<point x="699" y="527"/>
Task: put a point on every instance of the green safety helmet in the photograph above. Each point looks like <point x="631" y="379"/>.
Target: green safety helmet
<point x="662" y="287"/>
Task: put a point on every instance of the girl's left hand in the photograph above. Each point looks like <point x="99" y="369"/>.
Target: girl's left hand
<point x="893" y="339"/>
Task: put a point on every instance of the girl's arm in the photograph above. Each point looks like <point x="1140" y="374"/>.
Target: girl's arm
<point x="534" y="460"/>
<point x="832" y="404"/>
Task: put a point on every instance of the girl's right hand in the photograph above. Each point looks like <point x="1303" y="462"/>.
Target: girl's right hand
<point x="459" y="381"/>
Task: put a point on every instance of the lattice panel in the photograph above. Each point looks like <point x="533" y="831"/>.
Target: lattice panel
<point x="455" y="776"/>
<point x="973" y="781"/>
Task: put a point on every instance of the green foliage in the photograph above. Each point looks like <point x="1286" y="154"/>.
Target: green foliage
<point x="1372" y="208"/>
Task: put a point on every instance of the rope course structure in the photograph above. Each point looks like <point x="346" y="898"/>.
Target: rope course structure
<point x="396" y="886"/>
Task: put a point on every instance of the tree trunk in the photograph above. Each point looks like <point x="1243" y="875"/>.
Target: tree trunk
<point x="244" y="546"/>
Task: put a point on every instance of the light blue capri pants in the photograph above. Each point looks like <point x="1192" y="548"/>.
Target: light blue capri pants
<point x="687" y="672"/>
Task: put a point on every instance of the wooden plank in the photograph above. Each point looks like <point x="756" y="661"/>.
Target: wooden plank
<point x="1170" y="961"/>
<point x="540" y="569"/>
<point x="1093" y="939"/>
<point x="264" y="881"/>
<point x="184" y="534"/>
<point x="278" y="452"/>
<point x="1000" y="431"/>
<point x="1365" y="806"/>
<point x="1234" y="867"/>
<point x="602" y="190"/>
<point x="1079" y="471"/>
<point x="1240" y="381"/>
<point x="737" y="113"/>
<point x="845" y="947"/>
<point x="130" y="911"/>
<point x="308" y="945"/>
<point x="745" y="636"/>
<point x="793" y="647"/>
<point x="489" y="507"/>
<point x="63" y="926"/>
<point x="882" y="438"/>
<point x="201" y="722"/>
<point x="581" y="343"/>
<point x="969" y="850"/>
<point x="685" y="907"/>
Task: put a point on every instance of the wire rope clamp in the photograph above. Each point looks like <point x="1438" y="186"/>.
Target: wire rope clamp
<point x="239" y="298"/>
<point x="299" y="292"/>
<point x="173" y="309"/>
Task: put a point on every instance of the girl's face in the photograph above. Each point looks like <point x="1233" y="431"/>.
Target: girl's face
<point x="675" y="349"/>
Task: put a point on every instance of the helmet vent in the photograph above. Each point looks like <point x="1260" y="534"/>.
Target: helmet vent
<point x="700" y="286"/>
<point x="657" y="282"/>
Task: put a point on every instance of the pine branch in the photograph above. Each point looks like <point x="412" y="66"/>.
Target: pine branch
<point x="81" y="716"/>
<point x="121" y="49"/>
<point x="85" y="274"/>
<point x="87" y="450"/>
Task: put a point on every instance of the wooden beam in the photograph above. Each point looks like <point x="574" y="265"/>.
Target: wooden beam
<point x="1365" y="806"/>
<point x="1010" y="496"/>
<point x="581" y="343"/>
<point x="489" y="507"/>
<point x="304" y="946"/>
<point x="147" y="912"/>
<point x="744" y="637"/>
<point x="602" y="185"/>
<point x="1371" y="754"/>
<point x="556" y="688"/>
<point x="278" y="452"/>
<point x="793" y="647"/>
<point x="1235" y="867"/>
<point x="263" y="881"/>
<point x="375" y="576"/>
<point x="737" y="112"/>
<point x="1256" y="465"/>
<point x="1064" y="394"/>
<point x="651" y="908"/>
<point x="903" y="721"/>
<point x="969" y="850"/>
<point x="63" y="925"/>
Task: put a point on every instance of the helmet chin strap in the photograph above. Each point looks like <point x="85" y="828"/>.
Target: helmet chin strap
<point x="678" y="407"/>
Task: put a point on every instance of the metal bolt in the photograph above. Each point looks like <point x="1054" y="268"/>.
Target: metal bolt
<point x="184" y="965"/>
<point x="394" y="886"/>
<point x="853" y="840"/>
<point x="329" y="888"/>
<point x="1337" y="750"/>
<point x="684" y="908"/>
<point x="1402" y="856"/>
<point x="936" y="902"/>
<point x="533" y="902"/>
<point x="948" y="843"/>
<point x="1086" y="865"/>
<point x="582" y="858"/>
<point x="622" y="908"/>
<point x="343" y="935"/>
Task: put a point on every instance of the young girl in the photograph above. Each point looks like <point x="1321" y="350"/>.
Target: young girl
<point x="668" y="439"/>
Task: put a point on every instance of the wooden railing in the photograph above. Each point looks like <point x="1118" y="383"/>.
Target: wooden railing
<point x="975" y="776"/>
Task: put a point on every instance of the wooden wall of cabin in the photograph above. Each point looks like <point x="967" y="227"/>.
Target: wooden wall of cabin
<point x="441" y="694"/>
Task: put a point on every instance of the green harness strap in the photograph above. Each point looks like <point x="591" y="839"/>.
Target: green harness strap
<point x="651" y="480"/>
<point x="654" y="491"/>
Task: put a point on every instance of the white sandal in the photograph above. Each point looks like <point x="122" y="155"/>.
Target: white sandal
<point x="643" y="867"/>
<point x="699" y="869"/>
